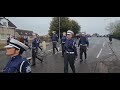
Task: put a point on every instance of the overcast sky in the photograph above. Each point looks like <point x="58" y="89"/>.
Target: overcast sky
<point x="41" y="25"/>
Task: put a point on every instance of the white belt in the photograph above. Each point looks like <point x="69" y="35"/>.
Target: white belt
<point x="83" y="45"/>
<point x="63" y="42"/>
<point x="54" y="41"/>
<point x="70" y="52"/>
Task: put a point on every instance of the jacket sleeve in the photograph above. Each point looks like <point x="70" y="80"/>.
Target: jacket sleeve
<point x="79" y="42"/>
<point x="57" y="37"/>
<point x="87" y="42"/>
<point x="75" y="48"/>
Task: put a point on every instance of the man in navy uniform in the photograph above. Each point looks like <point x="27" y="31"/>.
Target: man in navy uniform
<point x="26" y="41"/>
<point x="54" y="41"/>
<point x="63" y="39"/>
<point x="16" y="64"/>
<point x="110" y="38"/>
<point x="35" y="50"/>
<point x="38" y="42"/>
<point x="70" y="52"/>
<point x="84" y="44"/>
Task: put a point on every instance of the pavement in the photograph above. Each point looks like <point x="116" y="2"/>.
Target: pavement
<point x="102" y="57"/>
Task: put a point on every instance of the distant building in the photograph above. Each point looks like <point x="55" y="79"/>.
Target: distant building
<point x="22" y="33"/>
<point x="6" y="28"/>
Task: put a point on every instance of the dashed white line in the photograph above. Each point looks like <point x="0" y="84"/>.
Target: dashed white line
<point x="55" y="53"/>
<point x="109" y="53"/>
<point x="52" y="49"/>
<point x="99" y="53"/>
<point x="103" y="44"/>
<point x="59" y="51"/>
<point x="49" y="50"/>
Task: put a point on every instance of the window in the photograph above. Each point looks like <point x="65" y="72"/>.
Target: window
<point x="3" y="37"/>
<point x="4" y="22"/>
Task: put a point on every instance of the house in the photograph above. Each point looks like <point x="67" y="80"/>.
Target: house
<point x="6" y="28"/>
<point x="22" y="33"/>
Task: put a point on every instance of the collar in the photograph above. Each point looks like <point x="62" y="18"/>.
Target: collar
<point x="15" y="57"/>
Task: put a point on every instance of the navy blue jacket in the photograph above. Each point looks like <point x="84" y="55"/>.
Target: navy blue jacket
<point x="63" y="39"/>
<point x="70" y="46"/>
<point x="38" y="41"/>
<point x="55" y="38"/>
<point x="34" y="43"/>
<point x="83" y="41"/>
<point x="17" y="64"/>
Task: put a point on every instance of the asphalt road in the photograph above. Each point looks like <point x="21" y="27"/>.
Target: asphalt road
<point x="102" y="57"/>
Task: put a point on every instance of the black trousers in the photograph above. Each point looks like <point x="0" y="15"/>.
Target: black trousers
<point x="63" y="50"/>
<point x="40" y="48"/>
<point x="34" y="56"/>
<point x="83" y="50"/>
<point x="69" y="58"/>
<point x="54" y="47"/>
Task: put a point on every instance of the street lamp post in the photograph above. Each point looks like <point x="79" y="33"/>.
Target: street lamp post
<point x="59" y="28"/>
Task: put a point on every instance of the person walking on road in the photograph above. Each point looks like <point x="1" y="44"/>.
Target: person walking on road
<point x="35" y="50"/>
<point x="26" y="41"/>
<point x="54" y="41"/>
<point x="63" y="39"/>
<point x="70" y="52"/>
<point x="8" y="39"/>
<point x="16" y="64"/>
<point x="84" y="44"/>
<point x="110" y="38"/>
<point x="38" y="42"/>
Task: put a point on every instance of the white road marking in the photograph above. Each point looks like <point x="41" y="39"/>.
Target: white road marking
<point x="55" y="53"/>
<point x="99" y="53"/>
<point x="103" y="44"/>
<point x="110" y="53"/>
<point x="52" y="49"/>
<point x="58" y="52"/>
<point x="49" y="50"/>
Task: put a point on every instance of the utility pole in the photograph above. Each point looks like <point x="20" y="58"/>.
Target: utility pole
<point x="59" y="28"/>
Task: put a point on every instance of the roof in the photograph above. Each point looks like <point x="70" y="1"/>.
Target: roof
<point x="10" y="24"/>
<point x="24" y="32"/>
<point x="0" y="24"/>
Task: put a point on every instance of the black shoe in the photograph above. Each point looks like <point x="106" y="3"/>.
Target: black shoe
<point x="41" y="60"/>
<point x="33" y="64"/>
<point x="81" y="60"/>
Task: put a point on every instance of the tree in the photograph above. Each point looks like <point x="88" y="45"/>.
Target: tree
<point x="74" y="26"/>
<point x="65" y="25"/>
<point x="111" y="27"/>
<point x="114" y="29"/>
<point x="117" y="30"/>
<point x="54" y="25"/>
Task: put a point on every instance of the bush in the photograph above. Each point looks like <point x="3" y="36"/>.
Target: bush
<point x="45" y="38"/>
<point x="2" y="46"/>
